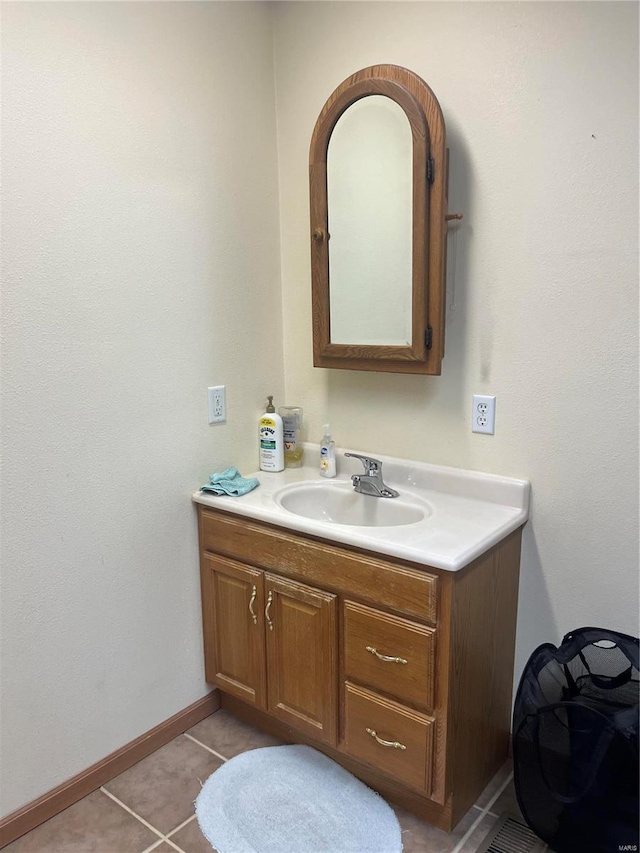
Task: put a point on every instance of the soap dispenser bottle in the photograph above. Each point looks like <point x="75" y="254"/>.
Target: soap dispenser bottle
<point x="271" y="440"/>
<point x="327" y="454"/>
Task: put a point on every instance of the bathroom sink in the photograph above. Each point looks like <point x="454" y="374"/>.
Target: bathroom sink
<point x="443" y="518"/>
<point x="338" y="503"/>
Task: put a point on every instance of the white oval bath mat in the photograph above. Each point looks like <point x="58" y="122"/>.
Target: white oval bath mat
<point x="293" y="799"/>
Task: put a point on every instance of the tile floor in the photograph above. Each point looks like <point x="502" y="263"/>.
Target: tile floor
<point x="150" y="806"/>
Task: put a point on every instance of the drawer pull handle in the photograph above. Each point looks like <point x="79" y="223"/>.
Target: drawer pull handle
<point x="266" y="610"/>
<point x="394" y="743"/>
<point x="387" y="658"/>
<point x="254" y="593"/>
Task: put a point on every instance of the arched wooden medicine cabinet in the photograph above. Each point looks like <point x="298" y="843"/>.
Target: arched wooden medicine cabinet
<point x="378" y="183"/>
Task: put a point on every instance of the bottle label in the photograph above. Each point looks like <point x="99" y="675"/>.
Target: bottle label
<point x="290" y="432"/>
<point x="327" y="462"/>
<point x="267" y="434"/>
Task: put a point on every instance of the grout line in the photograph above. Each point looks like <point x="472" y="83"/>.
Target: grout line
<point x="182" y="826"/>
<point x="468" y="833"/>
<point x="131" y="812"/>
<point x="499" y="792"/>
<point x="162" y="835"/>
<point x="157" y="843"/>
<point x="154" y="846"/>
<point x="204" y="746"/>
<point x="482" y="814"/>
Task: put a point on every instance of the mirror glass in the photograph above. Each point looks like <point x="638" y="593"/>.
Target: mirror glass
<point x="369" y="194"/>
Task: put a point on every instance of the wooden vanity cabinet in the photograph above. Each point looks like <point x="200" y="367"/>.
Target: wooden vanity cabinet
<point x="401" y="673"/>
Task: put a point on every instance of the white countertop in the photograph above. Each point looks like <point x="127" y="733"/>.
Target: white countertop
<point x="470" y="511"/>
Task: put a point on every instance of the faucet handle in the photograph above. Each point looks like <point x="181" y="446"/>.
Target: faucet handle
<point x="371" y="465"/>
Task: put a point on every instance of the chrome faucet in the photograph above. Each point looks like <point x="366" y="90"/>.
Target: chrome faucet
<point x="371" y="483"/>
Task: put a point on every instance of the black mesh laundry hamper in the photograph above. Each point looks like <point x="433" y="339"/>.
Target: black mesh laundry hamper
<point x="575" y="742"/>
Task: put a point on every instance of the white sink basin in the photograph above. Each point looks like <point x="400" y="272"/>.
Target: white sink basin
<point x="339" y="503"/>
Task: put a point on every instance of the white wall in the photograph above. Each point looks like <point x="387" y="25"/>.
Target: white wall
<point x="541" y="106"/>
<point x="140" y="264"/>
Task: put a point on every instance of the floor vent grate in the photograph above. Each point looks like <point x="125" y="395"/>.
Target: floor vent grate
<point x="508" y="835"/>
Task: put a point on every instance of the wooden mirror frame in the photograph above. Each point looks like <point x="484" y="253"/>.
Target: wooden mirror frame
<point x="430" y="167"/>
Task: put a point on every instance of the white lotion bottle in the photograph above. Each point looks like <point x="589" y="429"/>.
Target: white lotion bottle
<point x="327" y="454"/>
<point x="271" y="439"/>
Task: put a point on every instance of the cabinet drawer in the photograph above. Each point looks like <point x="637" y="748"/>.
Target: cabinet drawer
<point x="388" y="736"/>
<point x="391" y="585"/>
<point x="389" y="654"/>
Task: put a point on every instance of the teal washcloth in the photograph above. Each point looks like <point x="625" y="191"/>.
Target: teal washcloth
<point x="229" y="482"/>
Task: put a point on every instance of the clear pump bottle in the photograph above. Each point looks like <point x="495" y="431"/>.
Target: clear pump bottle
<point x="292" y="430"/>
<point x="327" y="454"/>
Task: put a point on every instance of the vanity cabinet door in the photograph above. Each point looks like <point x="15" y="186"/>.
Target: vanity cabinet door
<point x="233" y="605"/>
<point x="301" y="640"/>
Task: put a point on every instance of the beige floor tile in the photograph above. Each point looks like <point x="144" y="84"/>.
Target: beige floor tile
<point x="191" y="840"/>
<point x="421" y="837"/>
<point x="95" y="824"/>
<point x="508" y="802"/>
<point x="163" y="787"/>
<point x="479" y="833"/>
<point x="494" y="785"/>
<point x="229" y="736"/>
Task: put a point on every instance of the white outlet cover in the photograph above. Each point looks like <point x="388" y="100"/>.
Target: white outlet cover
<point x="217" y="404"/>
<point x="483" y="415"/>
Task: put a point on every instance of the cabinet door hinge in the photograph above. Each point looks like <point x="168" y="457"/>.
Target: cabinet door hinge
<point x="428" y="337"/>
<point x="430" y="168"/>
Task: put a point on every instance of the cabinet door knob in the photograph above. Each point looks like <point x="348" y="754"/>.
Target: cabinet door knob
<point x="266" y="610"/>
<point x="386" y="658"/>
<point x="254" y="592"/>
<point x="394" y="743"/>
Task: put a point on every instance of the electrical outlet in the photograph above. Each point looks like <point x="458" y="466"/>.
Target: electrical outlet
<point x="217" y="404"/>
<point x="483" y="417"/>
